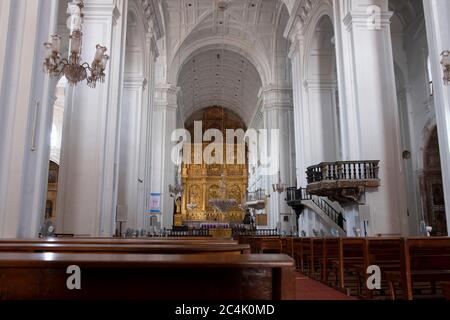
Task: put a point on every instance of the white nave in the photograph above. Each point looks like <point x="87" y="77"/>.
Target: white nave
<point x="354" y="80"/>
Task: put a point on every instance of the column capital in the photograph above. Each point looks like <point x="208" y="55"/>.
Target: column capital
<point x="320" y="84"/>
<point x="135" y="82"/>
<point x="166" y="96"/>
<point x="273" y="97"/>
<point x="101" y="9"/>
<point x="368" y="20"/>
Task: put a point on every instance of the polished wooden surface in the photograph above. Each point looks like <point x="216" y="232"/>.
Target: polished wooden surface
<point x="15" y="259"/>
<point x="155" y="247"/>
<point x="120" y="240"/>
<point x="147" y="276"/>
<point x="416" y="265"/>
<point x="421" y="260"/>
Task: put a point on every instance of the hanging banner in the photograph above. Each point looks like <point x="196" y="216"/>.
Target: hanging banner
<point x="155" y="202"/>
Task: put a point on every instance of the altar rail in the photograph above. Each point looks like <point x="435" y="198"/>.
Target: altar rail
<point x="256" y="233"/>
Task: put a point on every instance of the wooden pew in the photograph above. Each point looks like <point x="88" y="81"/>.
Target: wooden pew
<point x="147" y="248"/>
<point x="330" y="257"/>
<point x="42" y="276"/>
<point x="267" y="245"/>
<point x="296" y="251"/>
<point x="288" y="246"/>
<point x="316" y="258"/>
<point x="360" y="253"/>
<point x="120" y="240"/>
<point x="351" y="252"/>
<point x="446" y="290"/>
<point x="421" y="260"/>
<point x="303" y="252"/>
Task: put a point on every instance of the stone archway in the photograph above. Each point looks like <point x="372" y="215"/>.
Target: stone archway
<point x="432" y="188"/>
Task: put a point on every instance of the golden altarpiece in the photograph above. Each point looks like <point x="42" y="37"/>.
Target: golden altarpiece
<point x="203" y="182"/>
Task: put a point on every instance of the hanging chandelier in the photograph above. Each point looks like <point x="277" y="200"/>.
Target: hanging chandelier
<point x="279" y="186"/>
<point x="72" y="68"/>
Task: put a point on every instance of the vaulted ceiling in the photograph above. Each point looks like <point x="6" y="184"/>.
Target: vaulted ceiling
<point x="250" y="21"/>
<point x="219" y="77"/>
<point x="247" y="32"/>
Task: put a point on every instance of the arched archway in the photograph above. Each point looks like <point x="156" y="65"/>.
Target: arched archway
<point x="52" y="192"/>
<point x="134" y="122"/>
<point x="432" y="189"/>
<point x="56" y="144"/>
<point x="321" y="85"/>
<point x="219" y="77"/>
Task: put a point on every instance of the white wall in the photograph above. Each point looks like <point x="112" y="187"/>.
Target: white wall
<point x="135" y="121"/>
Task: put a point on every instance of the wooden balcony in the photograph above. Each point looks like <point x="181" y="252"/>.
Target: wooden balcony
<point x="256" y="199"/>
<point x="343" y="181"/>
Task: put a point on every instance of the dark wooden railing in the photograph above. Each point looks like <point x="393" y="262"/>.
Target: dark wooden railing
<point x="332" y="213"/>
<point x="343" y="170"/>
<point x="189" y="233"/>
<point x="294" y="194"/>
<point x="299" y="195"/>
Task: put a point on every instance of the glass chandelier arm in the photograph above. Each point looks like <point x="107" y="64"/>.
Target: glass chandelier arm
<point x="87" y="66"/>
<point x="71" y="67"/>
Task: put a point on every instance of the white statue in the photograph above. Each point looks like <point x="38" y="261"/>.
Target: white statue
<point x="446" y="66"/>
<point x="429" y="229"/>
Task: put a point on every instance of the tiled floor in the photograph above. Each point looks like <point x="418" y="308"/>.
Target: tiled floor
<point x="308" y="289"/>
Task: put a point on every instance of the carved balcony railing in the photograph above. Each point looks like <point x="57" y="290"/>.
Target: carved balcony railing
<point x="256" y="195"/>
<point x="256" y="199"/>
<point x="343" y="181"/>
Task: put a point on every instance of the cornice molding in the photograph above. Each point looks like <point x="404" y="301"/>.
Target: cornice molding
<point x="360" y="20"/>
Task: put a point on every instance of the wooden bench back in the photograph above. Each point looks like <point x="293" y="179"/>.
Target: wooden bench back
<point x="383" y="250"/>
<point x="176" y="240"/>
<point x="427" y="254"/>
<point x="39" y="276"/>
<point x="165" y="248"/>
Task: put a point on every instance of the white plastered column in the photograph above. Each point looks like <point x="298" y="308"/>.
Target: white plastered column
<point x="132" y="119"/>
<point x="278" y="114"/>
<point x="438" y="33"/>
<point x="25" y="110"/>
<point x="301" y="126"/>
<point x="163" y="168"/>
<point x="87" y="193"/>
<point x="136" y="135"/>
<point x="369" y="112"/>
